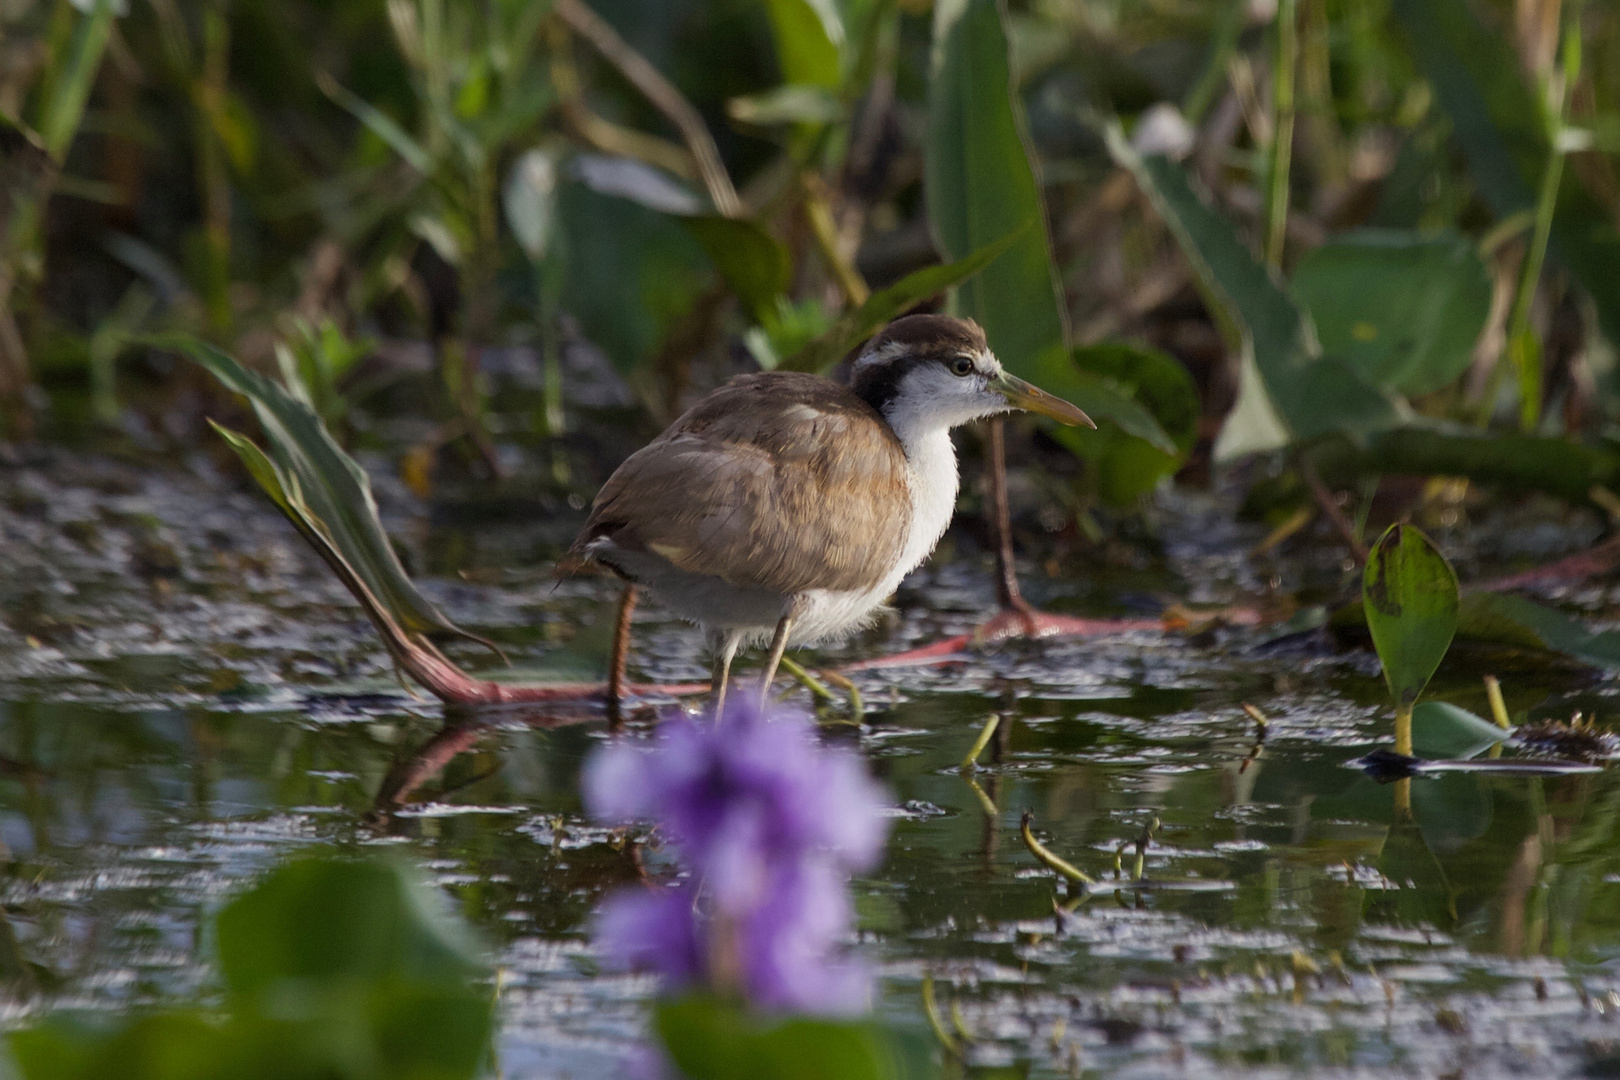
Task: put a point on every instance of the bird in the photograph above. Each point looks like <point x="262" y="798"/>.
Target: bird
<point x="784" y="508"/>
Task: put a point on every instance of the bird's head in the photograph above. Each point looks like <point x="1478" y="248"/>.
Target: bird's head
<point x="931" y="372"/>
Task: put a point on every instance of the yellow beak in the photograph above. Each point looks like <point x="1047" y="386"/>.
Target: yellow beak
<point x="1023" y="395"/>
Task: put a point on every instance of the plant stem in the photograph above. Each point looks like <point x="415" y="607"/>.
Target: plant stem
<point x="989" y="729"/>
<point x="1523" y="348"/>
<point x="1403" y="730"/>
<point x="818" y="212"/>
<point x="1499" y="713"/>
<point x="1282" y="131"/>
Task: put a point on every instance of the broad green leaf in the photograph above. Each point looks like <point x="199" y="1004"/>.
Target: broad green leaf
<point x="809" y="36"/>
<point x="753" y="263"/>
<point x="1442" y="730"/>
<point x="856" y="326"/>
<point x="1410" y="594"/>
<point x="1130" y="458"/>
<point x="1518" y="622"/>
<point x="633" y="273"/>
<point x="1496" y="120"/>
<point x="320" y="920"/>
<point x="1289" y="390"/>
<point x="64" y="97"/>
<point x="713" y="1040"/>
<point x="980" y="187"/>
<point x="1506" y="460"/>
<point x="1401" y="310"/>
<point x="321" y="483"/>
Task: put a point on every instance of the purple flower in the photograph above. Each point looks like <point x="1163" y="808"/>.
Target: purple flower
<point x="769" y="823"/>
<point x="733" y="795"/>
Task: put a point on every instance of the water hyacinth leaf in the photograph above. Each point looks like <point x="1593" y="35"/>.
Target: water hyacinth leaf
<point x="714" y="1040"/>
<point x="981" y="187"/>
<point x="1497" y="121"/>
<point x="1409" y="592"/>
<point x="1289" y="391"/>
<point x="753" y="263"/>
<point x="1129" y="463"/>
<point x="1400" y="309"/>
<point x="856" y="326"/>
<point x="1518" y="622"/>
<point x="325" y="919"/>
<point x="809" y="38"/>
<point x="1506" y="460"/>
<point x="633" y="273"/>
<point x="321" y="488"/>
<point x="1443" y="730"/>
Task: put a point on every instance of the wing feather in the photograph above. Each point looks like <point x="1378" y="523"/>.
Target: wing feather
<point x="780" y="481"/>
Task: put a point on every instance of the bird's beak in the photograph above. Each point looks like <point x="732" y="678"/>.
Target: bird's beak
<point x="1022" y="395"/>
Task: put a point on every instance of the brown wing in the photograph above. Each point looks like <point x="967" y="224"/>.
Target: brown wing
<point x="782" y="481"/>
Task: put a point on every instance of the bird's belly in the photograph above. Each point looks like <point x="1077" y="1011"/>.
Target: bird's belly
<point x="717" y="605"/>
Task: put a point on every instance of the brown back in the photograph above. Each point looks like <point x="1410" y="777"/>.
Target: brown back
<point x="780" y="480"/>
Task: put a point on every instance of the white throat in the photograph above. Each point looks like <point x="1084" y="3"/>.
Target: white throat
<point x="932" y="476"/>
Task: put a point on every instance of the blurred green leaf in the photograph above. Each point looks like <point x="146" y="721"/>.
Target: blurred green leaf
<point x="1402" y="310"/>
<point x="632" y="273"/>
<point x="63" y="99"/>
<point x="856" y="326"/>
<point x="1442" y="730"/>
<point x="1289" y="391"/>
<point x="713" y="1040"/>
<point x="1508" y="460"/>
<point x="809" y="37"/>
<point x="1410" y="595"/>
<point x="753" y="263"/>
<point x="982" y="188"/>
<point x="379" y="124"/>
<point x="1131" y="454"/>
<point x="323" y="486"/>
<point x="1516" y="621"/>
<point x="791" y="104"/>
<point x="320" y="920"/>
<point x="1496" y="120"/>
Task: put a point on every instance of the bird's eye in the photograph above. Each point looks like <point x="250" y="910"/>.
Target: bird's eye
<point x="962" y="365"/>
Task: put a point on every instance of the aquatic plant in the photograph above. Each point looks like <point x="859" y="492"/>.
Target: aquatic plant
<point x="767" y="825"/>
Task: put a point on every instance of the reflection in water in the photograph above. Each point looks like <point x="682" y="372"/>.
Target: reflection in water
<point x="156" y="751"/>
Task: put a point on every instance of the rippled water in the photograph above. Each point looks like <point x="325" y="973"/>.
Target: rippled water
<point x="185" y="695"/>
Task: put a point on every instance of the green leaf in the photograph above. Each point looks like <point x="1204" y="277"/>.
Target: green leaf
<point x="1442" y="730"/>
<point x="1518" y="622"/>
<point x="856" y="326"/>
<point x="789" y="104"/>
<point x="1410" y="594"/>
<point x="1507" y="460"/>
<point x="1289" y="391"/>
<point x="63" y="100"/>
<point x="809" y="37"/>
<point x="1401" y="310"/>
<point x="1496" y="120"/>
<point x="633" y="273"/>
<point x="320" y="487"/>
<point x="1131" y="454"/>
<point x="324" y="920"/>
<point x="714" y="1040"/>
<point x="378" y="123"/>
<point x="753" y="263"/>
<point x="981" y="188"/>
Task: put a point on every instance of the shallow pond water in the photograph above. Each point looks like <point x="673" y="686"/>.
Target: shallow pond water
<point x="186" y="695"/>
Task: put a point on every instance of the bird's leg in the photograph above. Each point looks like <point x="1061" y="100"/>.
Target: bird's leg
<point x="778" y="647"/>
<point x="620" y="656"/>
<point x="1014" y="608"/>
<point x="725" y="648"/>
